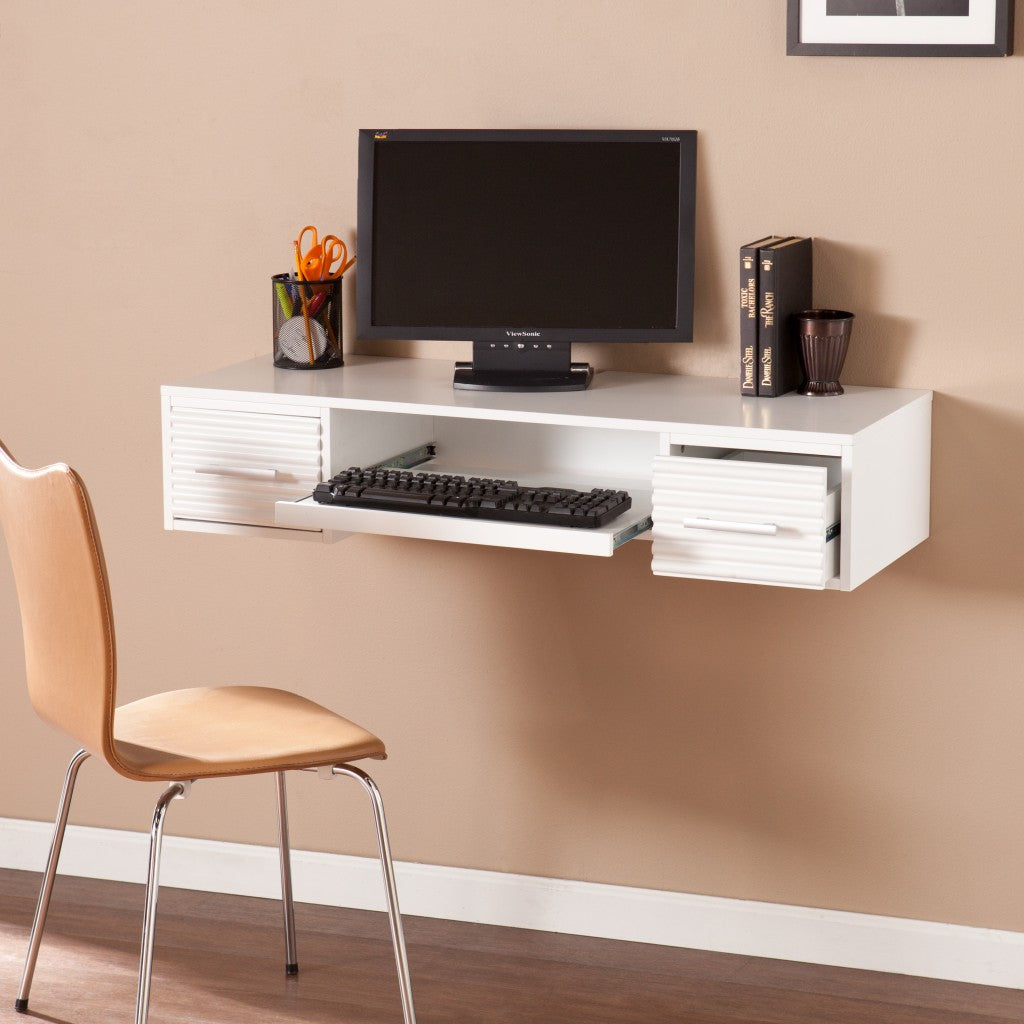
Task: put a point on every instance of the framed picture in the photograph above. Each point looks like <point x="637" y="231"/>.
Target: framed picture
<point x="900" y="28"/>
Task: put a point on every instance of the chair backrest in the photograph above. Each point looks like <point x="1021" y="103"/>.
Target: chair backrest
<point x="66" y="616"/>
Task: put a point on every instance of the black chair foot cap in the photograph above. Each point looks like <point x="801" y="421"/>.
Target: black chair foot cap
<point x="291" y="968"/>
<point x="21" y="1005"/>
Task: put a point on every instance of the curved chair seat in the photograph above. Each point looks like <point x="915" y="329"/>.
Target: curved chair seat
<point x="175" y="737"/>
<point x="207" y="732"/>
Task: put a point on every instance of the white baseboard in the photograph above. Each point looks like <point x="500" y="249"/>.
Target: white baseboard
<point x="838" y="938"/>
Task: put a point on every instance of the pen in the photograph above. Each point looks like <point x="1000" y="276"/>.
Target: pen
<point x="284" y="299"/>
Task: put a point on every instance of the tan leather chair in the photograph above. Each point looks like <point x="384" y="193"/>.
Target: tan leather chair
<point x="175" y="737"/>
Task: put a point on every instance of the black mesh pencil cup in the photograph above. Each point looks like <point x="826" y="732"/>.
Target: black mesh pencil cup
<point x="307" y="323"/>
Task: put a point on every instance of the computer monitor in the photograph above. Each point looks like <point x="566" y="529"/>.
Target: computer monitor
<point x="525" y="241"/>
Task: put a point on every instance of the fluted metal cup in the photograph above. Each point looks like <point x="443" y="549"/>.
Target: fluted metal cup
<point x="824" y="339"/>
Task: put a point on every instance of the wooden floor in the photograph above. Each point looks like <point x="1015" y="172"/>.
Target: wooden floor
<point x="220" y="959"/>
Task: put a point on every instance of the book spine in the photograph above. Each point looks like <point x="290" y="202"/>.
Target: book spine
<point x="767" y="324"/>
<point x="794" y="280"/>
<point x="748" y="321"/>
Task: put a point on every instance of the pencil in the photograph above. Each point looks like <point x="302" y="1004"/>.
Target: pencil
<point x="305" y="308"/>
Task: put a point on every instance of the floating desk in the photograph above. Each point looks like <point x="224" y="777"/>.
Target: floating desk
<point x="792" y="491"/>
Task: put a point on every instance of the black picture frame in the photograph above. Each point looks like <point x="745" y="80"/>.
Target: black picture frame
<point x="1001" y="44"/>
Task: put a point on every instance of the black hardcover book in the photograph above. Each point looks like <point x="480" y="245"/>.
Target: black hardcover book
<point x="748" y="313"/>
<point x="785" y="287"/>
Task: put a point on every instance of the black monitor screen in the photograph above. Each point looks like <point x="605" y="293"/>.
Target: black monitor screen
<point x="581" y="236"/>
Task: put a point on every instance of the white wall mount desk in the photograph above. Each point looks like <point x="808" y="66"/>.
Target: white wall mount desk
<point x="835" y="488"/>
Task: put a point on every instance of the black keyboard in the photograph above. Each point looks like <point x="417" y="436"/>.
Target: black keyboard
<point x="440" y="494"/>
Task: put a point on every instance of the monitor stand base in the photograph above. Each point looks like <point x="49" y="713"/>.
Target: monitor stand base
<point x="501" y="367"/>
<point x="467" y="379"/>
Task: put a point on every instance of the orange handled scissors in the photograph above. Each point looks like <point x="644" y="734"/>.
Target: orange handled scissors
<point x="334" y="249"/>
<point x="316" y="263"/>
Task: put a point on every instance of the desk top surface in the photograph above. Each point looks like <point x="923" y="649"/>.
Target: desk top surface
<point x="615" y="399"/>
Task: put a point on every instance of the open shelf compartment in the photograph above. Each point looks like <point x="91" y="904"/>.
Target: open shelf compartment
<point x="534" y="454"/>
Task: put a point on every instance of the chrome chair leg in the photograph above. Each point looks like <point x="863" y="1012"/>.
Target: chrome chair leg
<point x="390" y="889"/>
<point x="174" y="791"/>
<point x="291" y="958"/>
<point x="39" y="921"/>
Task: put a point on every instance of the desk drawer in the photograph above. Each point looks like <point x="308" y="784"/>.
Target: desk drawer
<point x="227" y="463"/>
<point x="753" y="517"/>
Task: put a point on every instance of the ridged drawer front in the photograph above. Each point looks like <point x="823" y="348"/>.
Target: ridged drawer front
<point x="231" y="466"/>
<point x="749" y="521"/>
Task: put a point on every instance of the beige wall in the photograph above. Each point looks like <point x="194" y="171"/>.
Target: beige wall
<point x="547" y="714"/>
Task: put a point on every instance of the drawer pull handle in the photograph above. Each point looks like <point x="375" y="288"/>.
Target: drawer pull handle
<point x="702" y="523"/>
<point x="239" y="474"/>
